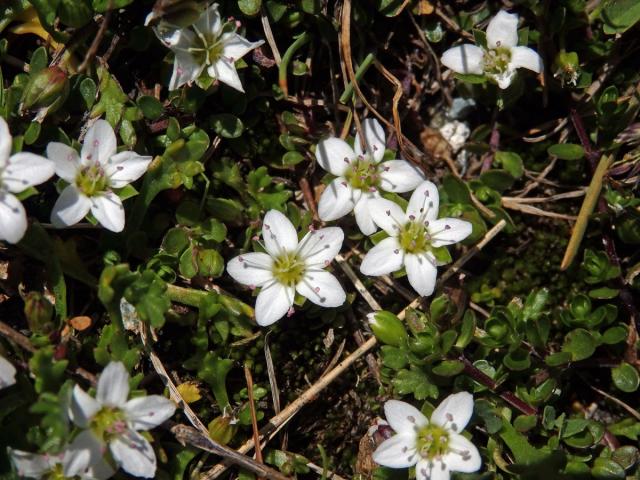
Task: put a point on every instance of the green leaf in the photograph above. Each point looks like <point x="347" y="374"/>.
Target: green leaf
<point x="620" y="15"/>
<point x="210" y="263"/>
<point x="566" y="151"/>
<point x="603" y="293"/>
<point x="150" y="106"/>
<point x="606" y="469"/>
<point x="448" y="368"/>
<point x="415" y="382"/>
<point x="39" y="60"/>
<point x="188" y="266"/>
<point x="250" y="7"/>
<point x="226" y="125"/>
<point x="499" y="180"/>
<point x="214" y="371"/>
<point x="32" y="133"/>
<point x="292" y="158"/>
<point x="148" y="295"/>
<point x="625" y="377"/>
<point x="88" y="91"/>
<point x="75" y="13"/>
<point x="102" y="6"/>
<point x="511" y="162"/>
<point x="580" y="344"/>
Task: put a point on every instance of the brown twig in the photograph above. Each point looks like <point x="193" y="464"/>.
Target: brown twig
<point x="254" y="418"/>
<point x="96" y="41"/>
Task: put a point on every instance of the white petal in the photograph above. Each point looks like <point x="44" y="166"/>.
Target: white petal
<point x="100" y="470"/>
<point x="26" y="170"/>
<point x="385" y="257"/>
<point x="322" y="288"/>
<point x="375" y="137"/>
<point x="252" y="269"/>
<point x="525" y="57"/>
<point x="403" y="417"/>
<point x="424" y="202"/>
<point x="65" y="159"/>
<point x="400" y="176"/>
<point x="319" y="247"/>
<point x="421" y="272"/>
<point x="82" y="407"/>
<point x="7" y="373"/>
<point x="273" y="303"/>
<point x="278" y="233"/>
<point x="185" y="70"/>
<point x="113" y="385"/>
<point x="236" y="46"/>
<point x="145" y="413"/>
<point x="85" y="450"/>
<point x="436" y="470"/>
<point x="446" y="231"/>
<point x="362" y="211"/>
<point x="454" y="412"/>
<point x="99" y="143"/>
<point x="29" y="465"/>
<point x="13" y="218"/>
<point x="225" y="71"/>
<point x="6" y="142"/>
<point x="398" y="451"/>
<point x="387" y="215"/>
<point x="334" y="155"/>
<point x="108" y="210"/>
<point x="505" y="78"/>
<point x="210" y="21"/>
<point x="465" y="59"/>
<point x="71" y="207"/>
<point x="126" y="167"/>
<point x="134" y="454"/>
<point x="336" y="200"/>
<point x="503" y="30"/>
<point x="465" y="458"/>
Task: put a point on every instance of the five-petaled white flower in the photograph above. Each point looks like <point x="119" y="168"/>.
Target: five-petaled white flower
<point x="92" y="176"/>
<point x="109" y="419"/>
<point x="290" y="266"/>
<point x="502" y="57"/>
<point x="7" y="373"/>
<point x="434" y="446"/>
<point x="207" y="44"/>
<point x="360" y="176"/>
<point x="17" y="173"/>
<point x="413" y="238"/>
<point x="70" y="463"/>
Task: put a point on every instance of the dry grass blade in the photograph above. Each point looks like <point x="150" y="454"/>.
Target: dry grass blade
<point x="190" y="436"/>
<point x="254" y="418"/>
<point x="588" y="205"/>
<point x="362" y="290"/>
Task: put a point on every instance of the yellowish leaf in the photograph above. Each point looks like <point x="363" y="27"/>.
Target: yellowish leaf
<point x="189" y="392"/>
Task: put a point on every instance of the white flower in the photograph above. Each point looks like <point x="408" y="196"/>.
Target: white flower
<point x="7" y="373"/>
<point x="109" y="419"/>
<point x="290" y="266"/>
<point x="207" y="44"/>
<point x="17" y="173"/>
<point x="413" y="238"/>
<point x="502" y="57"/>
<point x="434" y="446"/>
<point x="68" y="464"/>
<point x="92" y="176"/>
<point x="360" y="176"/>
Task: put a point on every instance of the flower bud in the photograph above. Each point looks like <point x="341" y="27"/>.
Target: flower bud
<point x="39" y="312"/>
<point x="222" y="429"/>
<point x="387" y="327"/>
<point x="47" y="88"/>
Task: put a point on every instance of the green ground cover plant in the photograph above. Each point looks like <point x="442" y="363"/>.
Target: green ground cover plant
<point x="370" y="239"/>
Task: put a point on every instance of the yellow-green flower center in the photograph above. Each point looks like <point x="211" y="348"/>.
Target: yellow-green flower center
<point x="56" y="473"/>
<point x="414" y="237"/>
<point x="288" y="268"/>
<point x="92" y="180"/>
<point x="496" y="60"/>
<point x="363" y="174"/>
<point x="432" y="441"/>
<point x="108" y="423"/>
<point x="208" y="48"/>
